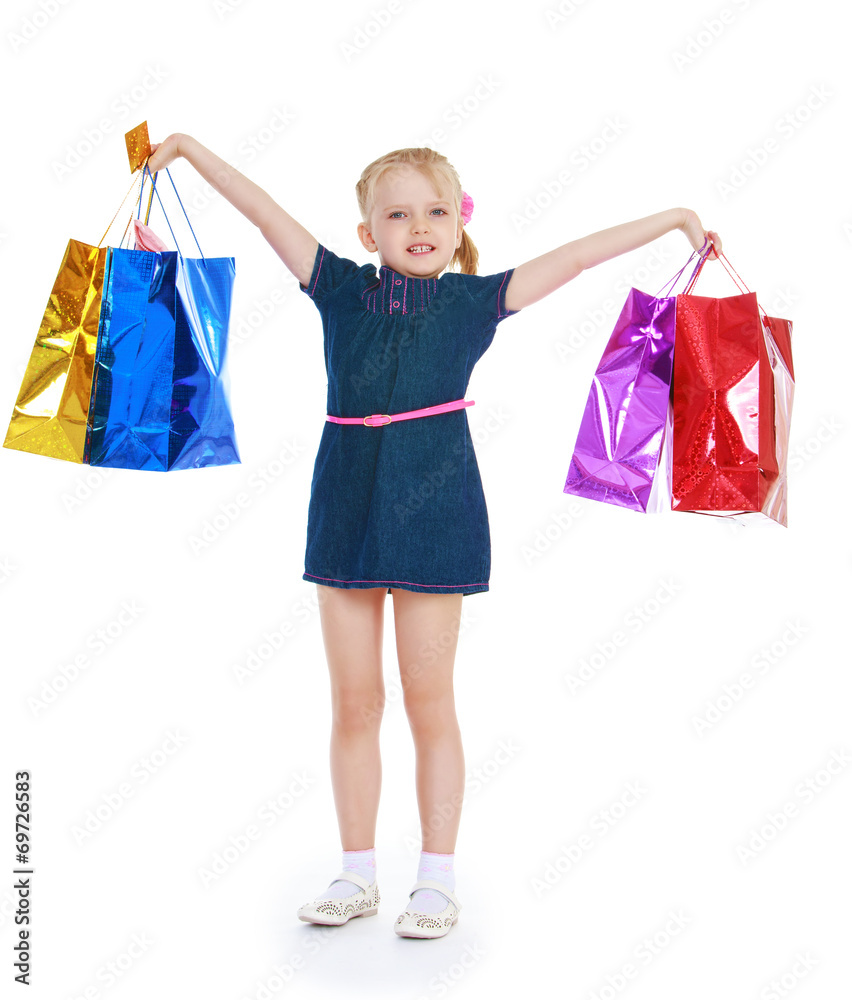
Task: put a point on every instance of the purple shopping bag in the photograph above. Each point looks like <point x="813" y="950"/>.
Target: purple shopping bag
<point x="621" y="454"/>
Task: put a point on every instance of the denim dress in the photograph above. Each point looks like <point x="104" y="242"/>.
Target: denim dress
<point x="401" y="504"/>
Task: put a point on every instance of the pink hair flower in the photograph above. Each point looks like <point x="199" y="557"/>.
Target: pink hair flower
<point x="466" y="207"/>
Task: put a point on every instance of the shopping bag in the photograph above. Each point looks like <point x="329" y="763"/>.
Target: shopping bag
<point x="732" y="399"/>
<point x="128" y="369"/>
<point x="50" y="413"/>
<point x="160" y="391"/>
<point x="617" y="455"/>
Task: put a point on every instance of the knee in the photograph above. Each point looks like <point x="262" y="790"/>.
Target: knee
<point x="431" y="717"/>
<point x="355" y="710"/>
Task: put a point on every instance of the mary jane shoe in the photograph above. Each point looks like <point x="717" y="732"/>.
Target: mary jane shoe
<point x="363" y="903"/>
<point x="428" y="925"/>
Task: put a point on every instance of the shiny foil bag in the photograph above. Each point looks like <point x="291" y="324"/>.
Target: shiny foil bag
<point x="732" y="402"/>
<point x="617" y="454"/>
<point x="160" y="390"/>
<point x="128" y="368"/>
<point x="50" y="413"/>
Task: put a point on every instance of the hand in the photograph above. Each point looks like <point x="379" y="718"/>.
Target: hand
<point x="165" y="152"/>
<point x="698" y="236"/>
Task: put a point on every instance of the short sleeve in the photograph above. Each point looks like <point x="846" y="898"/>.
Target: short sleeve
<point x="330" y="273"/>
<point x="482" y="301"/>
<point x="488" y="292"/>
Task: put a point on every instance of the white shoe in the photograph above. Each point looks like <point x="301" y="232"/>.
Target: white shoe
<point x="363" y="903"/>
<point x="428" y="925"/>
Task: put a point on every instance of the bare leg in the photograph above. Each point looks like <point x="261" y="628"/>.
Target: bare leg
<point x="427" y="627"/>
<point x="352" y="630"/>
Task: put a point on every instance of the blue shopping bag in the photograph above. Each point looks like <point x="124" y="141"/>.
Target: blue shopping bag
<point x="160" y="387"/>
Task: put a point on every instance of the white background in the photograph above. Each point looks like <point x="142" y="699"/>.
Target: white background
<point x="697" y="95"/>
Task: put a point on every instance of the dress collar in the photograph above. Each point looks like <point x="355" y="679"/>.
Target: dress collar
<point x="395" y="293"/>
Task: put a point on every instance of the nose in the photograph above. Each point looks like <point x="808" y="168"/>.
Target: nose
<point x="420" y="224"/>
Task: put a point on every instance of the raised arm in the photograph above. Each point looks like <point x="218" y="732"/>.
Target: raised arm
<point x="542" y="275"/>
<point x="291" y="241"/>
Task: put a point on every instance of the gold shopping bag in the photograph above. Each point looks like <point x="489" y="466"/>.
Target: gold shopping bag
<point x="50" y="413"/>
<point x="52" y="407"/>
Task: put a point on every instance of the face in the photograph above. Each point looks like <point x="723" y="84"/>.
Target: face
<point x="407" y="213"/>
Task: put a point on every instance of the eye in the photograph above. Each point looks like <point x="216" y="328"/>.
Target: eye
<point x="439" y="210"/>
<point x="397" y="212"/>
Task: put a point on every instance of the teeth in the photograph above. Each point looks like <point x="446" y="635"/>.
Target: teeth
<point x="420" y="248"/>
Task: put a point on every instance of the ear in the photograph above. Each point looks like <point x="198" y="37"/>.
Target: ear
<point x="459" y="232"/>
<point x="366" y="238"/>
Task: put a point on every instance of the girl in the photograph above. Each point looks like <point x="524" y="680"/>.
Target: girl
<point x="396" y="498"/>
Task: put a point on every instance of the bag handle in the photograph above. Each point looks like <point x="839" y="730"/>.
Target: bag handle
<point x="147" y="170"/>
<point x="123" y="200"/>
<point x="668" y="287"/>
<point x="729" y="267"/>
<point x="738" y="281"/>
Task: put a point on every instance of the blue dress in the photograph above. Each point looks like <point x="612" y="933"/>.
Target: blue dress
<point x="400" y="505"/>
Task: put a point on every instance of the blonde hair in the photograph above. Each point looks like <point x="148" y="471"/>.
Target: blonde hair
<point x="436" y="167"/>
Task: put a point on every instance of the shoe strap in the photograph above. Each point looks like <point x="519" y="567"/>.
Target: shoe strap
<point x="355" y="878"/>
<point x="429" y="883"/>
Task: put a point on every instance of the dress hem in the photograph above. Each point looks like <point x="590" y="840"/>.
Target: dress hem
<point x="461" y="588"/>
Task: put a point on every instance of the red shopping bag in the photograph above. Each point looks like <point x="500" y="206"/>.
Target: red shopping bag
<point x="732" y="395"/>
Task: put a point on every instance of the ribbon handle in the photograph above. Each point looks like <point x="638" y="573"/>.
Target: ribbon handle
<point x="738" y="281"/>
<point x="153" y="191"/>
<point x="703" y="257"/>
<point x="123" y="200"/>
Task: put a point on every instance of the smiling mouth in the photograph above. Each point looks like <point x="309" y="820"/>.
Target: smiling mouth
<point x="421" y="248"/>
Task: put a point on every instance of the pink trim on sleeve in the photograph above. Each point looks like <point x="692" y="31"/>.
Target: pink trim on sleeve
<point x="319" y="268"/>
<point x="501" y="297"/>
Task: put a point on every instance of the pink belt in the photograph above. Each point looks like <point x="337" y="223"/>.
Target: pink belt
<point x="386" y="418"/>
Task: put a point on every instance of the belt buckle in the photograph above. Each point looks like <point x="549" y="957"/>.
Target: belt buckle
<point x="370" y="417"/>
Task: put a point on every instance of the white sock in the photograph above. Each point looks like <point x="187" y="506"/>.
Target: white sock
<point x="438" y="867"/>
<point x="361" y="862"/>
